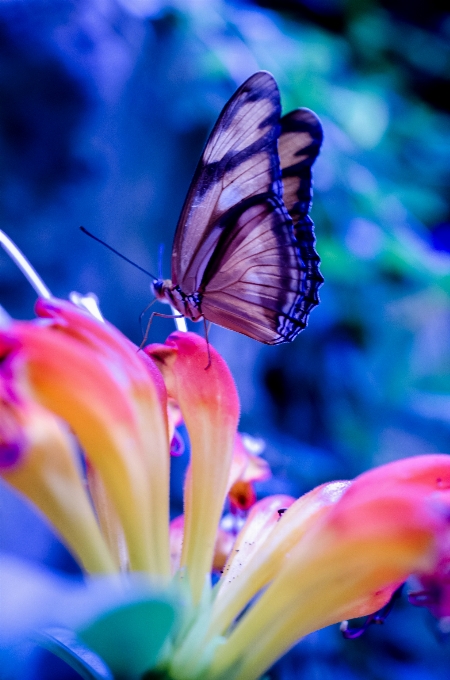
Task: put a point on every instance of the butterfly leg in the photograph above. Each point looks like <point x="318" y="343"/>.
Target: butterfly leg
<point x="141" y="316"/>
<point x="207" y="326"/>
<point x="150" y="321"/>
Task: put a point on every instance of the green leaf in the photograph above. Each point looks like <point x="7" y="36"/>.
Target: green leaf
<point x="64" y="644"/>
<point x="130" y="637"/>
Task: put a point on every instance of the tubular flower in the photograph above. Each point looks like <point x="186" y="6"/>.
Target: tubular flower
<point x="68" y="382"/>
<point x="247" y="467"/>
<point x="386" y="525"/>
<point x="38" y="459"/>
<point x="91" y="376"/>
<point x="210" y="407"/>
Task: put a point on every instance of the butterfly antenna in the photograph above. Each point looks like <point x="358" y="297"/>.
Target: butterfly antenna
<point x="88" y="233"/>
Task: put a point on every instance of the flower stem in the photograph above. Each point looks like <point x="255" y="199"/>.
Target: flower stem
<point x="25" y="267"/>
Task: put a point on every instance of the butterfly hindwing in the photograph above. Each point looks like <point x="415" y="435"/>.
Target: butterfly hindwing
<point x="240" y="160"/>
<point x="299" y="145"/>
<point x="257" y="280"/>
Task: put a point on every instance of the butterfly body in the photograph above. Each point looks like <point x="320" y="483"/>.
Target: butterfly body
<point x="187" y="305"/>
<point x="244" y="249"/>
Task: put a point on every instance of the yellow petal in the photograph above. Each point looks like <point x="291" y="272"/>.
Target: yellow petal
<point x="143" y="387"/>
<point x="106" y="393"/>
<point x="262" y="545"/>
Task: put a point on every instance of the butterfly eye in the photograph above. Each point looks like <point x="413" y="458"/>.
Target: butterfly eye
<point x="157" y="287"/>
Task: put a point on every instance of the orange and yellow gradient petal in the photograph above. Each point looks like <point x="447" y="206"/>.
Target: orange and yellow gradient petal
<point x="39" y="460"/>
<point x="262" y="546"/>
<point x="209" y="404"/>
<point x="385" y="526"/>
<point x="88" y="374"/>
<point x="142" y="382"/>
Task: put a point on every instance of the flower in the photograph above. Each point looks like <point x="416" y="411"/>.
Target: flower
<point x="91" y="376"/>
<point x="209" y="403"/>
<point x="248" y="467"/>
<point x="340" y="551"/>
<point x="38" y="458"/>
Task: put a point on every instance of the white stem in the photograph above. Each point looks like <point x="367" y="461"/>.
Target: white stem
<point x="25" y="267"/>
<point x="88" y="302"/>
<point x="180" y="321"/>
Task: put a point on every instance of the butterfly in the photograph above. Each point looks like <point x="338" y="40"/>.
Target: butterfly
<point x="243" y="255"/>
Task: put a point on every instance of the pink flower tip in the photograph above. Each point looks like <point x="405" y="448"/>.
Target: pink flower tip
<point x="177" y="446"/>
<point x="11" y="452"/>
<point x="13" y="440"/>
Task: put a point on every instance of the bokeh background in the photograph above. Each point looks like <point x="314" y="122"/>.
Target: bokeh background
<point x="104" y="108"/>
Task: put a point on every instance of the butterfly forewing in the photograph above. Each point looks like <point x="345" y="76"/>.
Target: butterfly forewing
<point x="240" y="161"/>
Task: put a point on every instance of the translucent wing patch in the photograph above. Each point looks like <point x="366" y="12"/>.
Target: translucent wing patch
<point x="299" y="145"/>
<point x="240" y="161"/>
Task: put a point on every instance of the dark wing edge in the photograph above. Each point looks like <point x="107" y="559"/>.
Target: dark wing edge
<point x="299" y="145"/>
<point x="256" y="279"/>
<point x="249" y="124"/>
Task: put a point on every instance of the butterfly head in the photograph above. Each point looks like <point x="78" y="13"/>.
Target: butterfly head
<point x="187" y="305"/>
<point x="160" y="288"/>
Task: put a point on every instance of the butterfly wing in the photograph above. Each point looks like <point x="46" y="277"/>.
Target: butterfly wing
<point x="299" y="145"/>
<point x="235" y="243"/>
<point x="239" y="162"/>
<point x="256" y="275"/>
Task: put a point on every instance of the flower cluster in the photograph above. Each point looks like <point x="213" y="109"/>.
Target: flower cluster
<point x="86" y="423"/>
